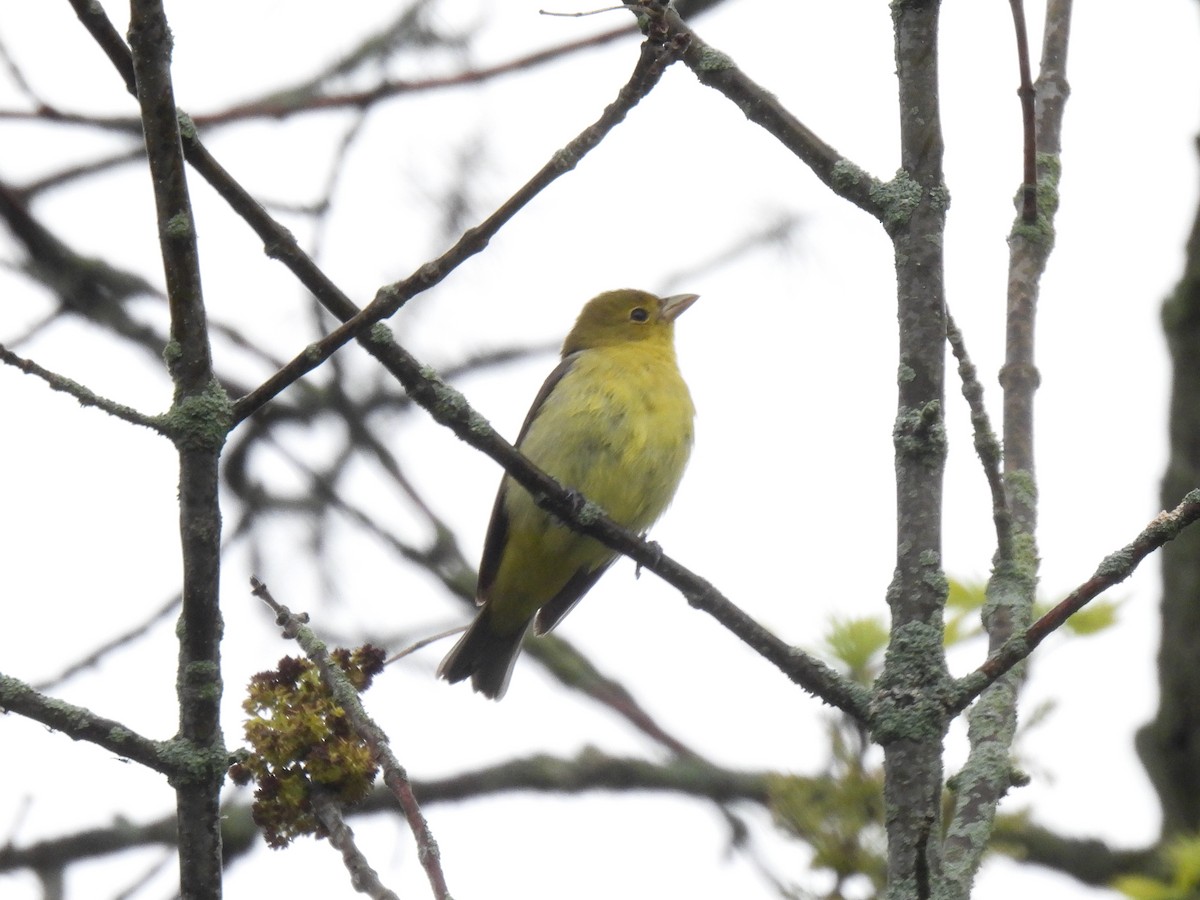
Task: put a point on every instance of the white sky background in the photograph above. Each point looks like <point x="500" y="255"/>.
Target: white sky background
<point x="790" y="354"/>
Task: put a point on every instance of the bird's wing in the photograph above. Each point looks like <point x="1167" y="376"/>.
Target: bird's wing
<point x="497" y="533"/>
<point x="564" y="601"/>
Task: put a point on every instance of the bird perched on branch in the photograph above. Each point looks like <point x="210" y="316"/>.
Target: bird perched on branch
<point x="613" y="422"/>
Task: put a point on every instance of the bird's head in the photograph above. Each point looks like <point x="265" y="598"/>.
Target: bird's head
<point x="625" y="316"/>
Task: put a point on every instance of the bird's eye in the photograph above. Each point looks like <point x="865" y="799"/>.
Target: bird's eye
<point x="638" y="314"/>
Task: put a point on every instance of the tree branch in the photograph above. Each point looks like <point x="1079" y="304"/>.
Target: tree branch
<point x="906" y="724"/>
<point x="719" y="72"/>
<point x="591" y="770"/>
<point x="114" y="643"/>
<point x="85" y="396"/>
<point x="1087" y="860"/>
<point x="1029" y="205"/>
<point x="200" y="423"/>
<point x="1011" y="590"/>
<point x="307" y="98"/>
<point x="81" y="724"/>
<point x="1113" y="569"/>
<point x="987" y="448"/>
<point x="362" y="876"/>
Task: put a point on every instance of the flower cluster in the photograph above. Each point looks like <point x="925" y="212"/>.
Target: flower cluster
<point x="301" y="741"/>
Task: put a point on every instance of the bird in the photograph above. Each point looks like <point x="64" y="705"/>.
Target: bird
<point x="613" y="422"/>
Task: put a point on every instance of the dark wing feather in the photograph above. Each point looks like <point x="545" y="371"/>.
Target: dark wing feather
<point x="497" y="533"/>
<point x="564" y="601"/>
<point x="493" y="547"/>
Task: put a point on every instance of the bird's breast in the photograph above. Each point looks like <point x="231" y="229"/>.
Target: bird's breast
<point x="618" y="428"/>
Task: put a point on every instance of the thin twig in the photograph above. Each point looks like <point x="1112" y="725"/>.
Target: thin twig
<point x="81" y="724"/>
<point x="363" y="877"/>
<point x="424" y="642"/>
<point x="138" y="885"/>
<point x="1113" y="569"/>
<point x="18" y="78"/>
<point x="85" y="396"/>
<point x="61" y="177"/>
<point x="290" y="102"/>
<point x="718" y="71"/>
<point x="116" y="643"/>
<point x="585" y="13"/>
<point x="986" y="446"/>
<point x="1029" y="205"/>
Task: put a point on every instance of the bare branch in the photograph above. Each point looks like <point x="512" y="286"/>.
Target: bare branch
<point x="1011" y="590"/>
<point x="987" y="448"/>
<point x="96" y="656"/>
<point x="1087" y="860"/>
<point x="362" y="876"/>
<point x="81" y="724"/>
<point x="1113" y="569"/>
<point x="290" y="102"/>
<point x="716" y="70"/>
<point x="591" y="770"/>
<point x="200" y="425"/>
<point x="1029" y="205"/>
<point x="85" y="396"/>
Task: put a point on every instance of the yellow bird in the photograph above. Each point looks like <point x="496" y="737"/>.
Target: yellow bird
<point x="614" y="422"/>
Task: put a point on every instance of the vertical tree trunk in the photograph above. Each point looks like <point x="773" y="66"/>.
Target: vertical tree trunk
<point x="910" y="720"/>
<point x="1169" y="746"/>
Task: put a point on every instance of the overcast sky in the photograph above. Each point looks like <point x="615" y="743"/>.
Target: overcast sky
<point x="790" y="354"/>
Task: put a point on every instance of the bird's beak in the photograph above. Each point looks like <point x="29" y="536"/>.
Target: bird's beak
<point x="671" y="307"/>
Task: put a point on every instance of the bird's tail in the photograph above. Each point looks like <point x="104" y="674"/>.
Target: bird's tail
<point x="484" y="654"/>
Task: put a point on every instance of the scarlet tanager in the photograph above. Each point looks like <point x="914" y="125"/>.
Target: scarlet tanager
<point x="614" y="422"/>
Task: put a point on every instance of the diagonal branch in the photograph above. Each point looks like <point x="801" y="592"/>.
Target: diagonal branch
<point x="363" y="877"/>
<point x="304" y="99"/>
<point x="81" y="724"/>
<point x="85" y="396"/>
<point x="450" y="408"/>
<point x="1087" y="860"/>
<point x="96" y="656"/>
<point x="1113" y="569"/>
<point x="719" y="72"/>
